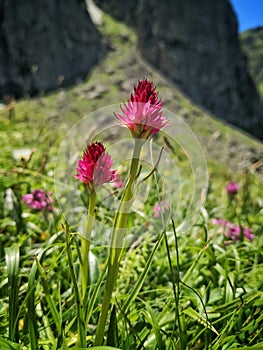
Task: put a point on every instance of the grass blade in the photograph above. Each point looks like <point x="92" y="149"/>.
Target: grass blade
<point x="12" y="263"/>
<point x="254" y="347"/>
<point x="201" y="319"/>
<point x="55" y="314"/>
<point x="150" y="317"/>
<point x="8" y="345"/>
<point x="112" y="338"/>
<point x="135" y="290"/>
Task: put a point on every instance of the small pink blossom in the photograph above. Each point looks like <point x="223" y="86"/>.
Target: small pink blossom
<point x="247" y="232"/>
<point x="234" y="231"/>
<point x="158" y="207"/>
<point x="118" y="183"/>
<point x="94" y="168"/>
<point x="221" y="222"/>
<point x="142" y="113"/>
<point x="232" y="187"/>
<point x="39" y="200"/>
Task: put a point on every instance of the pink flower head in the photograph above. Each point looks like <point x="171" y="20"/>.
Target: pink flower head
<point x="232" y="187"/>
<point x="39" y="200"/>
<point x="221" y="222"/>
<point x="158" y="207"/>
<point x="247" y="232"/>
<point x="233" y="232"/>
<point x="142" y="113"/>
<point x="94" y="168"/>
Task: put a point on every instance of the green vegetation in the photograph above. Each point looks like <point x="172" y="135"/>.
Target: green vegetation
<point x="252" y="45"/>
<point x="193" y="290"/>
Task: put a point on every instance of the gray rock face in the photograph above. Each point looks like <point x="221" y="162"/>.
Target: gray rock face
<point x="252" y="44"/>
<point x="45" y="43"/>
<point x="195" y="44"/>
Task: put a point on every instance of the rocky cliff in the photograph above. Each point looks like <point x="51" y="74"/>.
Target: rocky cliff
<point x="252" y="45"/>
<point x="195" y="44"/>
<point x="45" y="43"/>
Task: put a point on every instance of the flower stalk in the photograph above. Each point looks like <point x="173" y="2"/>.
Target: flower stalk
<point x="84" y="267"/>
<point x="119" y="230"/>
<point x="85" y="243"/>
<point x="142" y="115"/>
<point x="94" y="169"/>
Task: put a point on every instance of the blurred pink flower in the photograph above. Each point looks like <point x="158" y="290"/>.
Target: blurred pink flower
<point x="221" y="222"/>
<point x="247" y="232"/>
<point x="158" y="207"/>
<point x="142" y="113"/>
<point x="39" y="200"/>
<point x="118" y="183"/>
<point x="234" y="231"/>
<point x="95" y="166"/>
<point x="232" y="187"/>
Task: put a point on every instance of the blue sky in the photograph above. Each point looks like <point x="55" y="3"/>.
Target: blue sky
<point x="249" y="13"/>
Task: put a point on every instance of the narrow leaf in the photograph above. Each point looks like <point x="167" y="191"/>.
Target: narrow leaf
<point x="201" y="319"/>
<point x="112" y="338"/>
<point x="8" y="345"/>
<point x="12" y="263"/>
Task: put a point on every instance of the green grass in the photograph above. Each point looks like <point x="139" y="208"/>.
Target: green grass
<point x="191" y="290"/>
<point x="225" y="275"/>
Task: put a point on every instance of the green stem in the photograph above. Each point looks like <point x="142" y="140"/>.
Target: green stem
<point x="119" y="229"/>
<point x="81" y="328"/>
<point x="85" y="243"/>
<point x="84" y="266"/>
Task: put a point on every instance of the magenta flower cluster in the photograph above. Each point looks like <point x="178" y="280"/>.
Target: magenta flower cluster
<point x="94" y="168"/>
<point x="142" y="113"/>
<point x="232" y="188"/>
<point x="234" y="231"/>
<point x="39" y="200"/>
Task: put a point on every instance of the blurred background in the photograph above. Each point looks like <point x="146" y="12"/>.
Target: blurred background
<point x="205" y="57"/>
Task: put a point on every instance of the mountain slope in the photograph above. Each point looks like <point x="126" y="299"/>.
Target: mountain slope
<point x="226" y="148"/>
